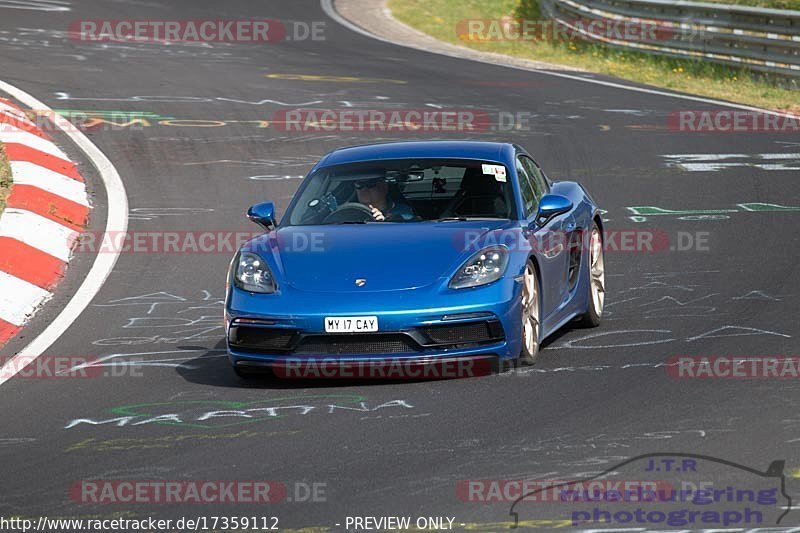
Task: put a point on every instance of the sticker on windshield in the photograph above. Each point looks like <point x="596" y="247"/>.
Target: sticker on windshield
<point x="498" y="171"/>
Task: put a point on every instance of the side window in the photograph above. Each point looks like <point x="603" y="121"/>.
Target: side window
<point x="529" y="198"/>
<point x="537" y="178"/>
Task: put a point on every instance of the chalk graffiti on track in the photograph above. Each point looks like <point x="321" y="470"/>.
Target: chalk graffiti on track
<point x="208" y="414"/>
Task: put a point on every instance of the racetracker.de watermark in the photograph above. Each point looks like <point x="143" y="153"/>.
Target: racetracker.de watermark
<point x="64" y="367"/>
<point x="182" y="491"/>
<point x="614" y="240"/>
<point x="732" y="121"/>
<point x="331" y="368"/>
<point x="733" y="367"/>
<point x="373" y="120"/>
<point x="402" y="120"/>
<point x="197" y="242"/>
<point x="68" y="120"/>
<point x="196" y="31"/>
<point x="533" y="30"/>
<point x="549" y="491"/>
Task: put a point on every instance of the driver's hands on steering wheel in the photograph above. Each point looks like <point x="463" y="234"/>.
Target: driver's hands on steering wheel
<point x="376" y="213"/>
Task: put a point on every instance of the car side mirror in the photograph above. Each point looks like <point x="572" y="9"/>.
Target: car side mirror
<point x="552" y="205"/>
<point x="263" y="214"/>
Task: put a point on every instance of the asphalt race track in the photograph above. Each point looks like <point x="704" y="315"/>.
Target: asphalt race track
<point x="596" y="398"/>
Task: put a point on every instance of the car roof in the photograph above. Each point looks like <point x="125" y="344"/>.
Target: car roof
<point x="488" y="151"/>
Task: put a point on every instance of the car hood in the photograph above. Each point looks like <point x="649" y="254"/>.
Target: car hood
<point x="388" y="256"/>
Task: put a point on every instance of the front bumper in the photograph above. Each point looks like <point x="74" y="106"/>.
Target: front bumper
<point x="275" y="329"/>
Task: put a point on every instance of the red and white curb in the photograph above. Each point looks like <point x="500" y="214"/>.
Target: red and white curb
<point x="45" y="213"/>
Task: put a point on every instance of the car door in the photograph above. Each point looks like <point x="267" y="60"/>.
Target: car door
<point x="542" y="242"/>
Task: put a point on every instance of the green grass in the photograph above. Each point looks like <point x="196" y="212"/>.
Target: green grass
<point x="5" y="177"/>
<point x="440" y="18"/>
<point x="775" y="4"/>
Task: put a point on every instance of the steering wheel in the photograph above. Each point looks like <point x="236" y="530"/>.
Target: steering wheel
<point x="349" y="212"/>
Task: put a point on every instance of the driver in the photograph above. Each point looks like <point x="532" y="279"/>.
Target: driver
<point x="374" y="193"/>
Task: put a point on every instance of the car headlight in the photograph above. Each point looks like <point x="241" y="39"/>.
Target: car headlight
<point x="251" y="273"/>
<point x="484" y="267"/>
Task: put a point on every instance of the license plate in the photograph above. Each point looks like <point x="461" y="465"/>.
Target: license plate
<point x="350" y="324"/>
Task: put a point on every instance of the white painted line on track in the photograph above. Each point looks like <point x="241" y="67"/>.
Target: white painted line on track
<point x="35" y="5"/>
<point x="116" y="222"/>
<point x="18" y="299"/>
<point x="327" y="7"/>
<point x="26" y="173"/>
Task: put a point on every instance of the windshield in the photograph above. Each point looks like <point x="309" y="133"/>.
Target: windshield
<point x="404" y="191"/>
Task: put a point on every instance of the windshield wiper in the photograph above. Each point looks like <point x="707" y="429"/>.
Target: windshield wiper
<point x="448" y="219"/>
<point x="349" y="222"/>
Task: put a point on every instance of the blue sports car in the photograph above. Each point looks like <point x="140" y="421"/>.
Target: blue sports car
<point x="420" y="252"/>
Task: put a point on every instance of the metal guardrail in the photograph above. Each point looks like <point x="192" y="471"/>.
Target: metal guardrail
<point x="766" y="40"/>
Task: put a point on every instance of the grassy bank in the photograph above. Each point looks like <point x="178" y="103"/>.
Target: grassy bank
<point x="5" y="177"/>
<point x="440" y="19"/>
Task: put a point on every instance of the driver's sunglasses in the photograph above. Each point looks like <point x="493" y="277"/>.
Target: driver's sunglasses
<point x="366" y="184"/>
